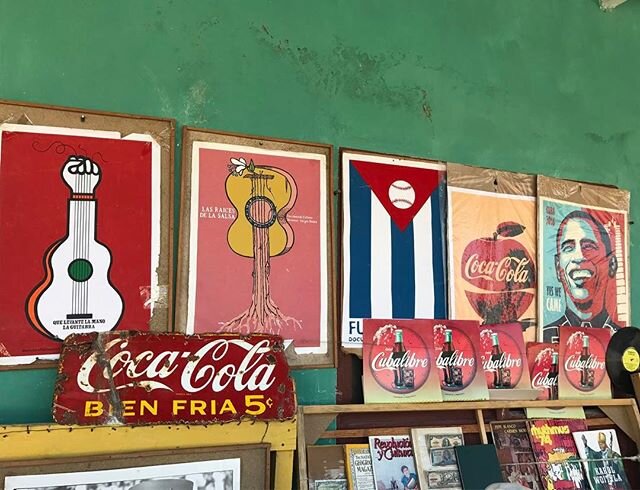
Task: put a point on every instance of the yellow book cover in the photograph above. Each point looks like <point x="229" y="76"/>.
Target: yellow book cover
<point x="357" y="459"/>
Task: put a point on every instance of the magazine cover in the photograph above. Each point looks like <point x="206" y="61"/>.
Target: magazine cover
<point x="583" y="256"/>
<point x="357" y="458"/>
<point x="393" y="240"/>
<point x="515" y="454"/>
<point x="394" y="467"/>
<point x="436" y="458"/>
<point x="398" y="362"/>
<point x="544" y="368"/>
<point x="457" y="350"/>
<point x="604" y="466"/>
<point x="554" y="448"/>
<point x="491" y="246"/>
<point x="504" y="359"/>
<point x="583" y="373"/>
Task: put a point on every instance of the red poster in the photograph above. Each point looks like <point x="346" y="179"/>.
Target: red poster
<point x="583" y="372"/>
<point x="161" y="378"/>
<point x="503" y="356"/>
<point x="544" y="366"/>
<point x="258" y="245"/>
<point x="398" y="362"/>
<point x="79" y="228"/>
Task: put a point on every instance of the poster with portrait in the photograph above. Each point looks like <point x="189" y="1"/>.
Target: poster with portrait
<point x="583" y="246"/>
<point x="84" y="227"/>
<point x="393" y="250"/>
<point x="492" y="246"/>
<point x="255" y="253"/>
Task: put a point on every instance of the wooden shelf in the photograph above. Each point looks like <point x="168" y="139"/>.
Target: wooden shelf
<point x="313" y="420"/>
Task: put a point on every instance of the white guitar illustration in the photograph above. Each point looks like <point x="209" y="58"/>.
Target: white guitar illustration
<point x="76" y="294"/>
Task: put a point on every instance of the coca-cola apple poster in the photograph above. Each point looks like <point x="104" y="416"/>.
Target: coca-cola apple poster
<point x="398" y="362"/>
<point x="582" y="363"/>
<point x="492" y="247"/>
<point x="504" y="358"/>
<point x="133" y="377"/>
<point x="542" y="369"/>
<point x="458" y="359"/>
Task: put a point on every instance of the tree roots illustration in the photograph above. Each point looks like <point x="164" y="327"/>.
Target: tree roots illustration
<point x="263" y="315"/>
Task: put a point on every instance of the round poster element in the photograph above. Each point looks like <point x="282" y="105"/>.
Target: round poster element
<point x="510" y="360"/>
<point x="456" y="363"/>
<point x="584" y="366"/>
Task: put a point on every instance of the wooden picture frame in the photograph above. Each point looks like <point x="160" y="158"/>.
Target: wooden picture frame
<point x="279" y="197"/>
<point x="250" y="462"/>
<point x="106" y="180"/>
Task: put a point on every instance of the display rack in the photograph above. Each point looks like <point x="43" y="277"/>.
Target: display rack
<point x="314" y="420"/>
<point x="33" y="442"/>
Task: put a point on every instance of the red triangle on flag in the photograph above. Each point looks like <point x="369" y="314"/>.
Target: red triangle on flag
<point x="400" y="189"/>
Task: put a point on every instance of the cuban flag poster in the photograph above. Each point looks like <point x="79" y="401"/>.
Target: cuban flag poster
<point x="393" y="221"/>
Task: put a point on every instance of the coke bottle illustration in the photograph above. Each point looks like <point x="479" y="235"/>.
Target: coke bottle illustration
<point x="584" y="360"/>
<point x="397" y="355"/>
<point x="552" y="388"/>
<point x="496" y="356"/>
<point x="452" y="376"/>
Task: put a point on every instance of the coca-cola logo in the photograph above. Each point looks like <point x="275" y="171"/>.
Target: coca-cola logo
<point x="502" y="273"/>
<point x="400" y="368"/>
<point x="583" y="366"/>
<point x="201" y="370"/>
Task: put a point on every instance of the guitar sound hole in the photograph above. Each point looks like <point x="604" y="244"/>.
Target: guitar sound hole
<point x="260" y="212"/>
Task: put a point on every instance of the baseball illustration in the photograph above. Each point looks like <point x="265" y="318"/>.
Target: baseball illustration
<point x="402" y="194"/>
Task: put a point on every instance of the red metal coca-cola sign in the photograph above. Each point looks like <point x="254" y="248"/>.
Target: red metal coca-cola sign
<point x="140" y="378"/>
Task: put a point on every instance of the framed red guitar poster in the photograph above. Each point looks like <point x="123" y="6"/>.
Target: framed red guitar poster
<point x="85" y="211"/>
<point x="255" y="241"/>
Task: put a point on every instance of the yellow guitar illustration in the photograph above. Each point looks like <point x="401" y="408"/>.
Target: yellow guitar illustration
<point x="262" y="197"/>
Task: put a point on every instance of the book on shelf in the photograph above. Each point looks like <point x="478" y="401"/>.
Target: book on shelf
<point x="357" y="459"/>
<point x="325" y="464"/>
<point x="394" y="467"/>
<point x="398" y="362"/>
<point x="517" y="461"/>
<point x="479" y="466"/>
<point x="434" y="450"/>
<point x="600" y="452"/>
<point x="554" y="448"/>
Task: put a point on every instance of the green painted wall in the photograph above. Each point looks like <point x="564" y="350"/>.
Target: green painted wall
<point x="537" y="86"/>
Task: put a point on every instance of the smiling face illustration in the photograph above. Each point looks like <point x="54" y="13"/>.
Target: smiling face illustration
<point x="584" y="262"/>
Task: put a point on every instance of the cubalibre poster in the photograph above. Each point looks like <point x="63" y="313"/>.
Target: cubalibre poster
<point x="80" y="237"/>
<point x="398" y="362"/>
<point x="393" y="240"/>
<point x="504" y="358"/>
<point x="492" y="247"/>
<point x="258" y="243"/>
<point x="583" y="372"/>
<point x="583" y="258"/>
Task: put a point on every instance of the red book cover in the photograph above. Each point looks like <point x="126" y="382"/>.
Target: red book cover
<point x="458" y="359"/>
<point x="398" y="362"/>
<point x="582" y="368"/>
<point x="503" y="355"/>
<point x="543" y="370"/>
<point x="554" y="447"/>
<point x="515" y="454"/>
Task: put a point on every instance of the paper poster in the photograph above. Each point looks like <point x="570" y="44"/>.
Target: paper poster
<point x="80" y="236"/>
<point x="492" y="257"/>
<point x="393" y="241"/>
<point x="258" y="244"/>
<point x="584" y="280"/>
<point x="436" y="457"/>
<point x="504" y="359"/>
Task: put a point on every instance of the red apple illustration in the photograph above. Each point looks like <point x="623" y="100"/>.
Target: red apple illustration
<point x="505" y="272"/>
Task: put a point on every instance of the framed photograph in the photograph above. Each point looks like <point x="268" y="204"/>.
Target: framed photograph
<point x="85" y="226"/>
<point x="255" y="241"/>
<point x="220" y="468"/>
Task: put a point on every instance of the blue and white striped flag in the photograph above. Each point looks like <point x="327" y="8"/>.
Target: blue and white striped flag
<point x="393" y="241"/>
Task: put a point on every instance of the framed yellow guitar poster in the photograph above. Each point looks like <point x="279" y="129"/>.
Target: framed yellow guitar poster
<point x="85" y="210"/>
<point x="255" y="241"/>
